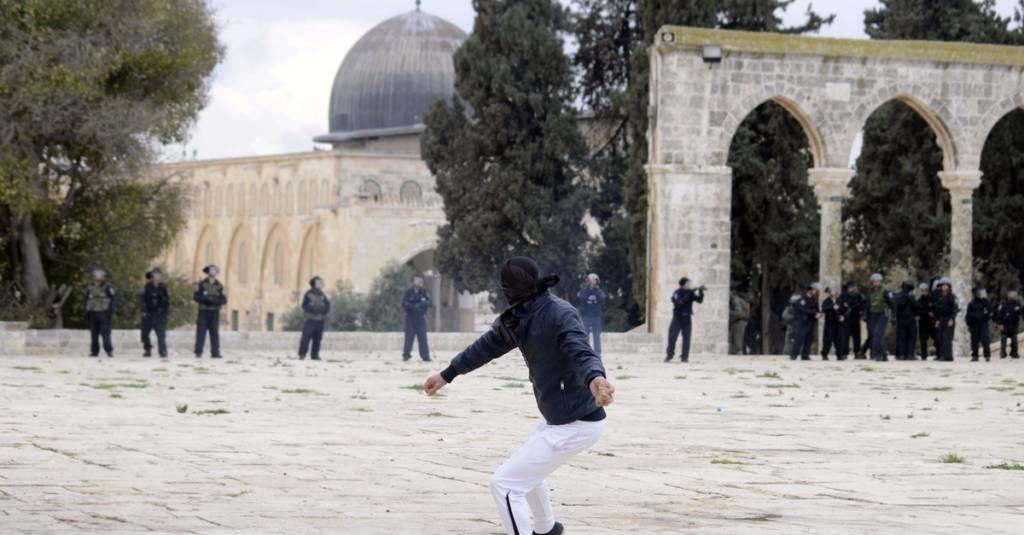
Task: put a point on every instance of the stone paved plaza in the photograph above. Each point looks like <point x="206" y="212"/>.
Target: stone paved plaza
<point x="270" y="444"/>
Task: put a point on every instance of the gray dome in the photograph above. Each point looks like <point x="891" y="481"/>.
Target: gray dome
<point x="392" y="74"/>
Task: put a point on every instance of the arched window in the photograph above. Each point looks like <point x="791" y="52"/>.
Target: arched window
<point x="264" y="200"/>
<point x="326" y="195"/>
<point x="229" y="200"/>
<point x="208" y="254"/>
<point x="275" y="199"/>
<point x="243" y="263"/>
<point x="411" y="191"/>
<point x="289" y="199"/>
<point x="207" y="201"/>
<point x="370" y="189"/>
<point x="218" y="201"/>
<point x="314" y="196"/>
<point x="301" y="198"/>
<point x="253" y="208"/>
<point x="278" y="267"/>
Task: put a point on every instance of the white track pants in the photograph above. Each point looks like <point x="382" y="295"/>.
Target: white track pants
<point x="519" y="486"/>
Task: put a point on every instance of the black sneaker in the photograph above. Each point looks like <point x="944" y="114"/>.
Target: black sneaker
<point x="110" y="355"/>
<point x="314" y="358"/>
<point x="146" y="354"/>
<point x="302" y="357"/>
<point x="216" y="356"/>
<point x="163" y="355"/>
<point x="668" y="358"/>
<point x="94" y="354"/>
<point x="557" y="530"/>
<point x="406" y="359"/>
<point x="424" y="360"/>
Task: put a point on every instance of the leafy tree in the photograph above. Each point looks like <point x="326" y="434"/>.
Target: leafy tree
<point x="128" y="313"/>
<point x="384" y="303"/>
<point x="506" y="150"/>
<point x="88" y="89"/>
<point x="898" y="212"/>
<point x="612" y="65"/>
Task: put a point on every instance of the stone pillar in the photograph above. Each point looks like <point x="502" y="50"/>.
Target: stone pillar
<point x="831" y="186"/>
<point x="689" y="230"/>
<point x="961" y="186"/>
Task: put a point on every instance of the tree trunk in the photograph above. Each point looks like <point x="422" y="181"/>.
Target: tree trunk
<point x="33" y="275"/>
<point x="766" y="313"/>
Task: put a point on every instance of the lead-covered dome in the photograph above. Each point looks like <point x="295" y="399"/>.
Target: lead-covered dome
<point x="391" y="75"/>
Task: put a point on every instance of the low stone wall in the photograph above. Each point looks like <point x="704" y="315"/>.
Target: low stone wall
<point x="16" y="339"/>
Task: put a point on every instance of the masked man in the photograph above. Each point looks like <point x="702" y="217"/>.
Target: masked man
<point x="591" y="297"/>
<point x="568" y="383"/>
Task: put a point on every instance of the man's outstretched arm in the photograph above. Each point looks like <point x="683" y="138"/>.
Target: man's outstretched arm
<point x="488" y="347"/>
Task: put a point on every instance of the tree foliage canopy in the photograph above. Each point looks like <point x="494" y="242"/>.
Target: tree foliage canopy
<point x="88" y="90"/>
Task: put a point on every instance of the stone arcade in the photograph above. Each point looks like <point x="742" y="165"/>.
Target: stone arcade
<point x="831" y="86"/>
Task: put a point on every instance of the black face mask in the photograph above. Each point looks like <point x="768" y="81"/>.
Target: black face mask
<point x="521" y="280"/>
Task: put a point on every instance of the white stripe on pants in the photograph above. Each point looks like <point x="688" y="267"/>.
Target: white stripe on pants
<point x="519" y="486"/>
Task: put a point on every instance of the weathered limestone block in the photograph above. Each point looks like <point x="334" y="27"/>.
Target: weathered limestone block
<point x="12" y="337"/>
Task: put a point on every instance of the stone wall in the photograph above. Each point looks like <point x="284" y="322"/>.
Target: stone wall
<point x="831" y="87"/>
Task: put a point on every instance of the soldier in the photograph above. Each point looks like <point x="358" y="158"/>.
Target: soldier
<point x="1008" y="317"/>
<point x="879" y="300"/>
<point x="834" y="319"/>
<point x="851" y="303"/>
<point x="99" y="312"/>
<point x="156" y="306"/>
<point x="591" y="297"/>
<point x="416" y="302"/>
<point x="806" y="317"/>
<point x="315" y="305"/>
<point x="682" y="317"/>
<point x="906" y="311"/>
<point x="945" y="309"/>
<point x="925" y="318"/>
<point x="210" y="296"/>
<point x="739" y="316"/>
<point x="789" y="320"/>
<point x="979" y="314"/>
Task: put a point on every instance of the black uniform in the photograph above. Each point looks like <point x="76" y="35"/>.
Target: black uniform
<point x="210" y="296"/>
<point x="315" y="306"/>
<point x="907" y="310"/>
<point x="1008" y="316"/>
<point x="926" y="323"/>
<point x="805" y="311"/>
<point x="99" y="312"/>
<point x="979" y="314"/>
<point x="945" y="309"/>
<point x="416" y="303"/>
<point x="156" y="307"/>
<point x="682" y="321"/>
<point x="852" y="307"/>
<point x="832" y="333"/>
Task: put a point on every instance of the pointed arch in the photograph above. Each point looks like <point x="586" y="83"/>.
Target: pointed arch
<point x="815" y="140"/>
<point x="934" y="118"/>
<point x="207" y="250"/>
<point x="273" y="268"/>
<point x="308" y="257"/>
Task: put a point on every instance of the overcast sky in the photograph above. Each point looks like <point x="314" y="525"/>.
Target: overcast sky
<point x="270" y="94"/>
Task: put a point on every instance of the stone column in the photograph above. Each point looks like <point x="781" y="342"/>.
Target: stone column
<point x="961" y="186"/>
<point x="689" y="229"/>
<point x="831" y="186"/>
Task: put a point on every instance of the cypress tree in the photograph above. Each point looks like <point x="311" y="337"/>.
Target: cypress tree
<point x="506" y="150"/>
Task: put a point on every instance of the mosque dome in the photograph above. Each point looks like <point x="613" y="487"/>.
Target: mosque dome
<point x="391" y="76"/>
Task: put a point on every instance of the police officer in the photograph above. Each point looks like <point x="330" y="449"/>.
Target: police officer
<point x="739" y="317"/>
<point x="315" y="306"/>
<point x="925" y="318"/>
<point x="99" y="312"/>
<point x="979" y="314"/>
<point x="156" y="307"/>
<point x="806" y="314"/>
<point x="682" y="317"/>
<point x="1008" y="317"/>
<point x="591" y="297"/>
<point x="832" y="333"/>
<point x="416" y="302"/>
<point x="879" y="300"/>
<point x="945" y="309"/>
<point x="906" y="310"/>
<point x="210" y="296"/>
<point x="851" y="303"/>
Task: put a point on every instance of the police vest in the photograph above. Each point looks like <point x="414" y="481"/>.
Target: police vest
<point x="214" y="291"/>
<point x="97" y="299"/>
<point x="317" y="301"/>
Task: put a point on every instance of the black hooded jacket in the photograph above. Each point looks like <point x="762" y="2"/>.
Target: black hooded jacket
<point x="549" y="333"/>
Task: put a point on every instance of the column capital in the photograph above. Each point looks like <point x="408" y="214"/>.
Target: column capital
<point x="670" y="169"/>
<point x="830" y="183"/>
<point x="960" y="183"/>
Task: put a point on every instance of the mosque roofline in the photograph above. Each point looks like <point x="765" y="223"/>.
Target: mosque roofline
<point x="279" y="157"/>
<point x="670" y="37"/>
<point x="337" y="137"/>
